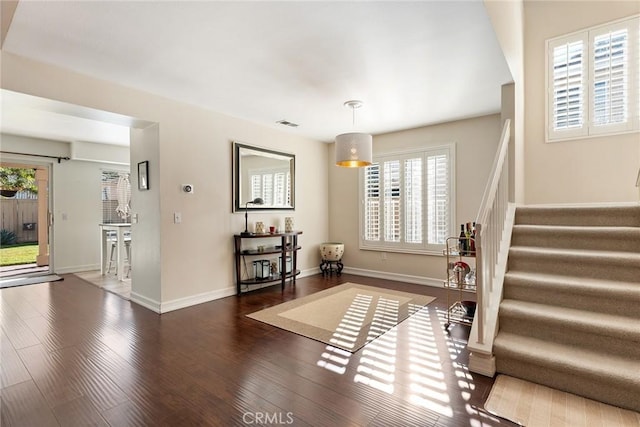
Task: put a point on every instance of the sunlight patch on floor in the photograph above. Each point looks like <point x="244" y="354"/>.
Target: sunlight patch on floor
<point x="335" y="359"/>
<point x="376" y="367"/>
<point x="428" y="387"/>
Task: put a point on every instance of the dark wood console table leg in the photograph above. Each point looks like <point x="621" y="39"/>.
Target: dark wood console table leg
<point x="294" y="266"/>
<point x="283" y="261"/>
<point x="238" y="244"/>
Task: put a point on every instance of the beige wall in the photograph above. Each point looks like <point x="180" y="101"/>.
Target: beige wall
<point x="507" y="19"/>
<point x="476" y="142"/>
<point x="589" y="170"/>
<point x="193" y="146"/>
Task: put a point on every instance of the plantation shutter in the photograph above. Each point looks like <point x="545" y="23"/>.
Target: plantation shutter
<point x="280" y="189"/>
<point x="610" y="58"/>
<point x="372" y="203"/>
<point x="413" y="200"/>
<point x="593" y="80"/>
<point x="407" y="201"/>
<point x="109" y="197"/>
<point x="392" y="201"/>
<point x="568" y="97"/>
<point x="256" y="186"/>
<point x="267" y="189"/>
<point x="438" y="185"/>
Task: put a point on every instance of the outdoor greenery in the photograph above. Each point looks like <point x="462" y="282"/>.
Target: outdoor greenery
<point x="18" y="179"/>
<point x="7" y="237"/>
<point x="24" y="253"/>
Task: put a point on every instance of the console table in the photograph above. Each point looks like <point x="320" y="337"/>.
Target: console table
<point x="288" y="246"/>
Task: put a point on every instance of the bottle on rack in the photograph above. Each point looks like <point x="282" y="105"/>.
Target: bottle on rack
<point x="472" y="241"/>
<point x="467" y="235"/>
<point x="462" y="241"/>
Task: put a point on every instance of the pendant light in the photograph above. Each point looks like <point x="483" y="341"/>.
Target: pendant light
<point x="354" y="149"/>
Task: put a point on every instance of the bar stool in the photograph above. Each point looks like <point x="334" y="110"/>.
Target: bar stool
<point x="127" y="247"/>
<point x="112" y="239"/>
<point x="112" y="258"/>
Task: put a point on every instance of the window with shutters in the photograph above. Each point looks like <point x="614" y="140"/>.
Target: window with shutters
<point x="593" y="81"/>
<point x="271" y="185"/>
<point x="407" y="201"/>
<point x="111" y="188"/>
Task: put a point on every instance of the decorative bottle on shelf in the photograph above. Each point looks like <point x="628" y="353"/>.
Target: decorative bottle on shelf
<point x="467" y="235"/>
<point x="462" y="241"/>
<point x="472" y="241"/>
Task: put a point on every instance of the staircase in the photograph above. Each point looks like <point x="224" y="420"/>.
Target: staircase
<point x="570" y="314"/>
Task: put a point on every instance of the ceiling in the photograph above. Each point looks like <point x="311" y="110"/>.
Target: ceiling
<point x="412" y="63"/>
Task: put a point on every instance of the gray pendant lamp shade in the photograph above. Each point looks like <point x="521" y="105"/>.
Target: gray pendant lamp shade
<point x="354" y="149"/>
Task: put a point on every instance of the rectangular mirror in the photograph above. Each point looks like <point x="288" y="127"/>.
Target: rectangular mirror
<point x="265" y="174"/>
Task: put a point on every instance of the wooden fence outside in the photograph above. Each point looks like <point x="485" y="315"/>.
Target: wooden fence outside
<point x="21" y="217"/>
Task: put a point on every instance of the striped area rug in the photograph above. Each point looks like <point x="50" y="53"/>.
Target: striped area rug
<point x="347" y="316"/>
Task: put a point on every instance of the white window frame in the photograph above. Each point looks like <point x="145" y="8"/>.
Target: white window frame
<point x="404" y="247"/>
<point x="588" y="128"/>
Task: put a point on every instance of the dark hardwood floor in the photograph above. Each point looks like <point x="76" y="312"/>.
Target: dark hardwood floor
<point x="75" y="355"/>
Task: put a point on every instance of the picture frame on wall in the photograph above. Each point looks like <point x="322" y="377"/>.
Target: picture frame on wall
<point x="143" y="175"/>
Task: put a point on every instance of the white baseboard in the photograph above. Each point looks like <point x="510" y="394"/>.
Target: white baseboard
<point x="204" y="297"/>
<point x="482" y="364"/>
<point x="76" y="268"/>
<point x="189" y="301"/>
<point x="309" y="272"/>
<point x="419" y="280"/>
<point x="177" y="304"/>
<point x="152" y="305"/>
<point x="185" y="302"/>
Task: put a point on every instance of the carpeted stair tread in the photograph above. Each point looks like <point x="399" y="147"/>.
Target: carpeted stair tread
<point x="623" y="258"/>
<point x="623" y="266"/>
<point x="578" y="237"/>
<point x="623" y="216"/>
<point x="621" y="371"/>
<point x="570" y="313"/>
<point x="579" y="285"/>
<point x="610" y="325"/>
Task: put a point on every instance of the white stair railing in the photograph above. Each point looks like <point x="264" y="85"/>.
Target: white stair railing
<point x="492" y="225"/>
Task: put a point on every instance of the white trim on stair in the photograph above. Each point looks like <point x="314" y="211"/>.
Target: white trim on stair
<point x="481" y="358"/>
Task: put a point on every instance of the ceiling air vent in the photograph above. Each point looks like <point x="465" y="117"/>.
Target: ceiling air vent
<point x="287" y="123"/>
